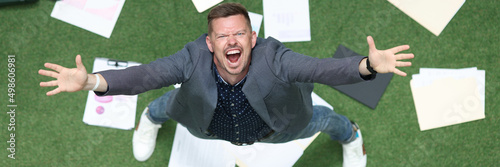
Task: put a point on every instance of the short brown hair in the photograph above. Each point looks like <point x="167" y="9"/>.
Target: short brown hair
<point x="226" y="10"/>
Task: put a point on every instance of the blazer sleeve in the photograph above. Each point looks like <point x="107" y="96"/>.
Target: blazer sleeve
<point x="295" y="67"/>
<point x="162" y="72"/>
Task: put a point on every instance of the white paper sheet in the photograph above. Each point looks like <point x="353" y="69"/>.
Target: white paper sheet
<point x="446" y="97"/>
<point x="190" y="151"/>
<point x="266" y="154"/>
<point x="111" y="111"/>
<point x="202" y="5"/>
<point x="429" y="75"/>
<point x="287" y="20"/>
<point x="256" y="20"/>
<point x="97" y="16"/>
<point x="434" y="15"/>
<point x="187" y="150"/>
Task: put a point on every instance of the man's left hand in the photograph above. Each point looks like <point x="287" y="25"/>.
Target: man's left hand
<point x="385" y="61"/>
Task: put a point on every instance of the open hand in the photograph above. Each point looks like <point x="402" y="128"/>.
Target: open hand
<point x="385" y="61"/>
<point x="67" y="80"/>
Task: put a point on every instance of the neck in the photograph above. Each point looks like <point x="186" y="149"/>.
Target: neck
<point x="230" y="78"/>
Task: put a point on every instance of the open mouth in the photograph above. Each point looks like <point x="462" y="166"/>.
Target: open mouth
<point x="233" y="56"/>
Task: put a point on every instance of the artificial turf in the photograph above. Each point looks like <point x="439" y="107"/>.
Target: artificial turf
<point x="50" y="132"/>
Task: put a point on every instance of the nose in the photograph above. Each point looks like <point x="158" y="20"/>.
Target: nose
<point x="231" y="40"/>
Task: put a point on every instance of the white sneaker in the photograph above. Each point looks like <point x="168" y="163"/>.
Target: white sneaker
<point x="354" y="152"/>
<point x="144" y="140"/>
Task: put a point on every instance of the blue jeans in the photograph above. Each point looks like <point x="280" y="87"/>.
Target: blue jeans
<point x="324" y="119"/>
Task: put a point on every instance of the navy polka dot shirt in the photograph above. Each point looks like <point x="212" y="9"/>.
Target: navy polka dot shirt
<point x="234" y="119"/>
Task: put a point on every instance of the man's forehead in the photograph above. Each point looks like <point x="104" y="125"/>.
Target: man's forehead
<point x="233" y="18"/>
<point x="230" y="24"/>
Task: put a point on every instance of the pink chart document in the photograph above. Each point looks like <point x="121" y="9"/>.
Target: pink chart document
<point x="111" y="111"/>
<point x="97" y="16"/>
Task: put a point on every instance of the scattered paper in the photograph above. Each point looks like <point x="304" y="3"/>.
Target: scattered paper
<point x="188" y="150"/>
<point x="97" y="16"/>
<point x="287" y="20"/>
<point x="446" y="97"/>
<point x="256" y="20"/>
<point x="267" y="154"/>
<point x="434" y="15"/>
<point x="202" y="5"/>
<point x="111" y="111"/>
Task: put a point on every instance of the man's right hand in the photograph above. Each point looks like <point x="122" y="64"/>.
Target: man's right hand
<point x="67" y="80"/>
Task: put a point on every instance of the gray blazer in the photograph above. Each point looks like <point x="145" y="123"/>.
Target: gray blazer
<point x="278" y="85"/>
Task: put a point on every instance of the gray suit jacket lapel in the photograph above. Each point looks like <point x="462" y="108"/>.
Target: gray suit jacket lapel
<point x="255" y="97"/>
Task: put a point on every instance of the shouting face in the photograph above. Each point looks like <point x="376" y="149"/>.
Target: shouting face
<point x="231" y="41"/>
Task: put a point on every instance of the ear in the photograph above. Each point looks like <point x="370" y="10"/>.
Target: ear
<point x="209" y="43"/>
<point x="254" y="38"/>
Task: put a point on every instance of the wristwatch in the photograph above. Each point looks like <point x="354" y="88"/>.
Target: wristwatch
<point x="369" y="68"/>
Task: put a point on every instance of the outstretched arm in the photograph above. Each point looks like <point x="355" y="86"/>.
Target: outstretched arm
<point x="72" y="79"/>
<point x="386" y="61"/>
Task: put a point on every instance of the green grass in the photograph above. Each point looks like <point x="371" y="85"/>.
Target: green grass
<point x="50" y="131"/>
